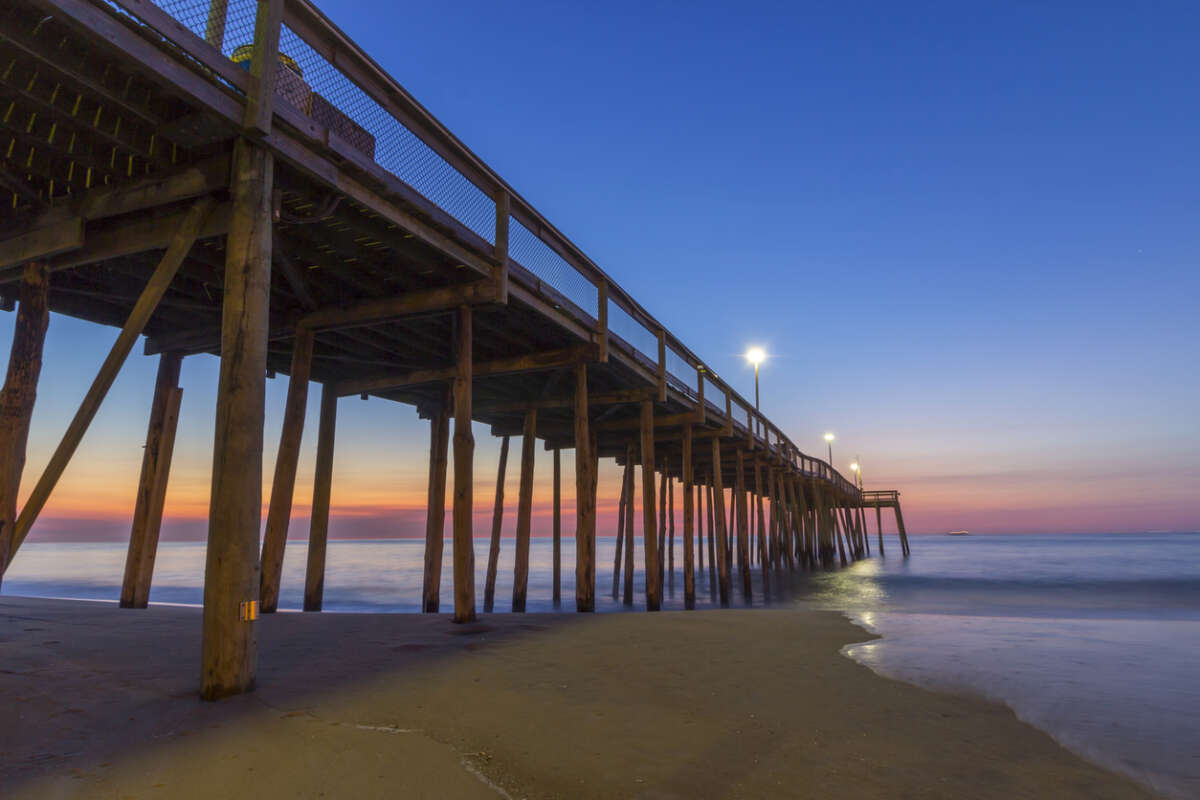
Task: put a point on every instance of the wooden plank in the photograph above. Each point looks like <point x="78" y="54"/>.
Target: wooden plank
<point x="264" y="65"/>
<point x="617" y="397"/>
<point x="556" y="597"/>
<point x="743" y="517"/>
<point x="283" y="485"/>
<point x="718" y="503"/>
<point x="585" y="503"/>
<point x="40" y="243"/>
<point x="184" y="236"/>
<point x="318" y="530"/>
<point x="631" y="489"/>
<point x="464" y="456"/>
<point x="526" y="362"/>
<point x="649" y="523"/>
<point x="446" y="298"/>
<point x="435" y="506"/>
<point x="489" y="589"/>
<point x="524" y="512"/>
<point x="18" y="396"/>
<point x="624" y="498"/>
<point x="229" y="650"/>
<point x="689" y="523"/>
<point x="152" y="483"/>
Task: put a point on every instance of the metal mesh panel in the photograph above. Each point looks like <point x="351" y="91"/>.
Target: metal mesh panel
<point x="236" y="28"/>
<point x="681" y="374"/>
<point x="633" y="332"/>
<point x="713" y="395"/>
<point x="322" y="92"/>
<point x="536" y="256"/>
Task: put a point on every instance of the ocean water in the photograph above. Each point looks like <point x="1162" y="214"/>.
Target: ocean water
<point x="1092" y="638"/>
<point x="1095" y="639"/>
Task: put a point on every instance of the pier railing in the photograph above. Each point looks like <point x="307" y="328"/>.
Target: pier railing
<point x="342" y="102"/>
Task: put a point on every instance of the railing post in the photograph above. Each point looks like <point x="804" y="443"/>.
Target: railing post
<point x="503" y="209"/>
<point x="264" y="64"/>
<point x="602" y="321"/>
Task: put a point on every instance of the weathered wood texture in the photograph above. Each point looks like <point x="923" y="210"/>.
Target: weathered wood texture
<point x="18" y="396"/>
<point x="182" y="241"/>
<point x="229" y="647"/>
<point x="689" y="523"/>
<point x="718" y="503"/>
<point x="649" y="523"/>
<point x="284" y="485"/>
<point x="489" y="586"/>
<point x="152" y="484"/>
<point x="585" y="498"/>
<point x="464" y="458"/>
<point x="524" y="513"/>
<point x="556" y="568"/>
<point x="620" y="543"/>
<point x="630" y="493"/>
<point x="435" y="506"/>
<point x="318" y="530"/>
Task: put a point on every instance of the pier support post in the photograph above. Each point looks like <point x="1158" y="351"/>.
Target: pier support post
<point x="760" y="525"/>
<point x="585" y="498"/>
<point x="464" y="473"/>
<point x="18" y="396"/>
<point x="524" y="512"/>
<point x="435" y="506"/>
<point x="318" y="529"/>
<point x="627" y="594"/>
<point x="671" y="534"/>
<point x="616" y="592"/>
<point x="556" y="598"/>
<point x="712" y="550"/>
<point x="284" y="484"/>
<point x="743" y="518"/>
<point x="152" y="485"/>
<point x="900" y="528"/>
<point x="879" y="527"/>
<point x="489" y="586"/>
<point x="689" y="522"/>
<point x="649" y="523"/>
<point x="143" y="309"/>
<point x="229" y="650"/>
<point x="662" y="525"/>
<point x="719" y="505"/>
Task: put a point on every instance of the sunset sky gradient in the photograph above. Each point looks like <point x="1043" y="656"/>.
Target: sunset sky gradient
<point x="967" y="235"/>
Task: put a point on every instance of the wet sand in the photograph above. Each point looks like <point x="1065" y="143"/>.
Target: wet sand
<point x="101" y="702"/>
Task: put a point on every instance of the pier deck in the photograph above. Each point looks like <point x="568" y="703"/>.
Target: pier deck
<point x="239" y="178"/>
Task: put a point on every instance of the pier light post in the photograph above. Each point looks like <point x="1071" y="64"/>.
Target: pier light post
<point x="755" y="356"/>
<point x="829" y="442"/>
<point x="856" y="468"/>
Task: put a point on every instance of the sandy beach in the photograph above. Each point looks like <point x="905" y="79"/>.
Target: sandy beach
<point x="101" y="702"/>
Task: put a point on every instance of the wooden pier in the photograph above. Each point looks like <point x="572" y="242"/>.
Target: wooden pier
<point x="239" y="178"/>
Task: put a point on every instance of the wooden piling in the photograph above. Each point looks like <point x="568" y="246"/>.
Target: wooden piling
<point x="283" y="486"/>
<point x="722" y="542"/>
<point x="627" y="594"/>
<point x="689" y="522"/>
<point x="524" y="512"/>
<point x="712" y="537"/>
<point x="900" y="528"/>
<point x="229" y="647"/>
<point x="556" y="597"/>
<point x="435" y="506"/>
<point x="318" y="529"/>
<point x="700" y="526"/>
<point x="18" y="396"/>
<point x="489" y="588"/>
<point x="649" y="523"/>
<point x="879" y="527"/>
<point x="585" y="503"/>
<point x="464" y="466"/>
<point x="760" y="525"/>
<point x="152" y="484"/>
<point x="743" y="517"/>
<point x="671" y="534"/>
<point x="143" y="309"/>
<point x="662" y="524"/>
<point x="616" y="592"/>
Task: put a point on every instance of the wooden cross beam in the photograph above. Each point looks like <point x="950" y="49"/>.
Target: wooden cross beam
<point x="527" y="362"/>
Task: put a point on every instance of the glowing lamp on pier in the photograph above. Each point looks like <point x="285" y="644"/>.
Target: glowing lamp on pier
<point x="829" y="441"/>
<point x="756" y="355"/>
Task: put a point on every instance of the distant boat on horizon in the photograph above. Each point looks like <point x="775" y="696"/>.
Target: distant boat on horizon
<point x="957" y="533"/>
